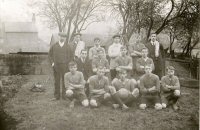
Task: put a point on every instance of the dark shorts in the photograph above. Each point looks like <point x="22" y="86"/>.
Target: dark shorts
<point x="79" y="95"/>
<point x="150" y="99"/>
<point x="169" y="97"/>
<point x="100" y="99"/>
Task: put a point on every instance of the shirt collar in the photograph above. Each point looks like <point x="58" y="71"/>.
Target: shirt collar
<point x="61" y="43"/>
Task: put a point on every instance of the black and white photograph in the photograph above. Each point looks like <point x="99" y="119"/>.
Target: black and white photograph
<point x="99" y="64"/>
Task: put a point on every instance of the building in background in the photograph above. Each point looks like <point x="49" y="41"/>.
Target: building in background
<point x="21" y="37"/>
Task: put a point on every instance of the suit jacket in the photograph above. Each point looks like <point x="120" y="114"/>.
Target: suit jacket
<point x="60" y="55"/>
<point x="84" y="67"/>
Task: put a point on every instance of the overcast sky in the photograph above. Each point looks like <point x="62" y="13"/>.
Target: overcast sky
<point x="19" y="11"/>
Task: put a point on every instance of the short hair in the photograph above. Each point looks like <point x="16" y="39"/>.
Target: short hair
<point x="100" y="67"/>
<point x="116" y="36"/>
<point x="170" y="68"/>
<point x="75" y="34"/>
<point x="123" y="47"/>
<point x="72" y="63"/>
<point x="62" y="34"/>
<point x="148" y="65"/>
<point x="122" y="71"/>
<point x="83" y="50"/>
<point x="100" y="50"/>
<point x="153" y="33"/>
<point x="144" y="48"/>
<point x="97" y="39"/>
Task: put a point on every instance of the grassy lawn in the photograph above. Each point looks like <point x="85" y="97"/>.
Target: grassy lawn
<point x="36" y="111"/>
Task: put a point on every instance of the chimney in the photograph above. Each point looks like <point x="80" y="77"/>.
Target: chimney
<point x="33" y="18"/>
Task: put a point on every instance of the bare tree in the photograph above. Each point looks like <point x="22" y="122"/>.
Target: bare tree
<point x="69" y="16"/>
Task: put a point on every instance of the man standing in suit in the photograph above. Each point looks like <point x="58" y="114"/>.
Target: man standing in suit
<point x="60" y="55"/>
<point x="84" y="66"/>
<point x="155" y="52"/>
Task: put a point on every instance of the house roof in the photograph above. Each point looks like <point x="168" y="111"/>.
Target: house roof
<point x="20" y="27"/>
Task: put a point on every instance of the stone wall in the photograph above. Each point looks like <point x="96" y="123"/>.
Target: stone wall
<point x="12" y="64"/>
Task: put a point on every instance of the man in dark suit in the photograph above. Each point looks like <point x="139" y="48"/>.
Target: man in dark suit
<point x="84" y="66"/>
<point x="60" y="55"/>
<point x="156" y="53"/>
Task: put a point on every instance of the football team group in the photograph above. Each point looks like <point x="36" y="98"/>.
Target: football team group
<point x="120" y="76"/>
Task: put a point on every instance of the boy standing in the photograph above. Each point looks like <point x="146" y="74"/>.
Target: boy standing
<point x="100" y="60"/>
<point x="99" y="87"/>
<point x="150" y="89"/>
<point x="142" y="62"/>
<point x="170" y="89"/>
<point x="123" y="90"/>
<point x="135" y="52"/>
<point x="84" y="65"/>
<point x="113" y="52"/>
<point x="77" y="45"/>
<point x="124" y="61"/>
<point x="74" y="83"/>
<point x="93" y="52"/>
<point x="155" y="52"/>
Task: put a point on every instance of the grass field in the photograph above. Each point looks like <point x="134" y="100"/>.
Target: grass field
<point x="36" y="111"/>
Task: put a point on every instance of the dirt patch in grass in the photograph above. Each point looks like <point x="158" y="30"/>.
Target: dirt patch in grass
<point x="36" y="111"/>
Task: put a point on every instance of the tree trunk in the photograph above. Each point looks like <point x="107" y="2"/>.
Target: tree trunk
<point x="68" y="30"/>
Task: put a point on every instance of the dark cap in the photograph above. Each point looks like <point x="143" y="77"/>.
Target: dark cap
<point x="116" y="36"/>
<point x="62" y="34"/>
<point x="170" y="68"/>
<point x="75" y="34"/>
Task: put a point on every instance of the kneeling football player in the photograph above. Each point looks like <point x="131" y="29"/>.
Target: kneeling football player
<point x="75" y="83"/>
<point x="170" y="89"/>
<point x="150" y="89"/>
<point x="98" y="88"/>
<point x="123" y="90"/>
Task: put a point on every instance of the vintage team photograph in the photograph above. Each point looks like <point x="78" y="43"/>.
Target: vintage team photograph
<point x="99" y="64"/>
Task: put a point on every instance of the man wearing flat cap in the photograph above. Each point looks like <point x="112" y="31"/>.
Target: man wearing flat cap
<point x="77" y="45"/>
<point x="170" y="89"/>
<point x="113" y="53"/>
<point x="60" y="55"/>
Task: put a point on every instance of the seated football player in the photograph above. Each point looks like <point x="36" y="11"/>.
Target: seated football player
<point x="142" y="62"/>
<point x="123" y="90"/>
<point x="75" y="83"/>
<point x="124" y="61"/>
<point x="170" y="89"/>
<point x="150" y="89"/>
<point x="100" y="60"/>
<point x="99" y="88"/>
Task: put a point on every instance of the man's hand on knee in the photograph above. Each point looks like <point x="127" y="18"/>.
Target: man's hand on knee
<point x="69" y="93"/>
<point x="85" y="103"/>
<point x="158" y="106"/>
<point x="135" y="92"/>
<point x="107" y="96"/>
<point x="93" y="103"/>
<point x="143" y="106"/>
<point x="177" y="93"/>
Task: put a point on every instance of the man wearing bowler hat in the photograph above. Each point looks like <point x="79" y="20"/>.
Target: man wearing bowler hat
<point x="60" y="55"/>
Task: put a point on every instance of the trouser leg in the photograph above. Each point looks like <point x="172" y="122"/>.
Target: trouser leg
<point x="56" y="85"/>
<point x="113" y="73"/>
<point x="117" y="99"/>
